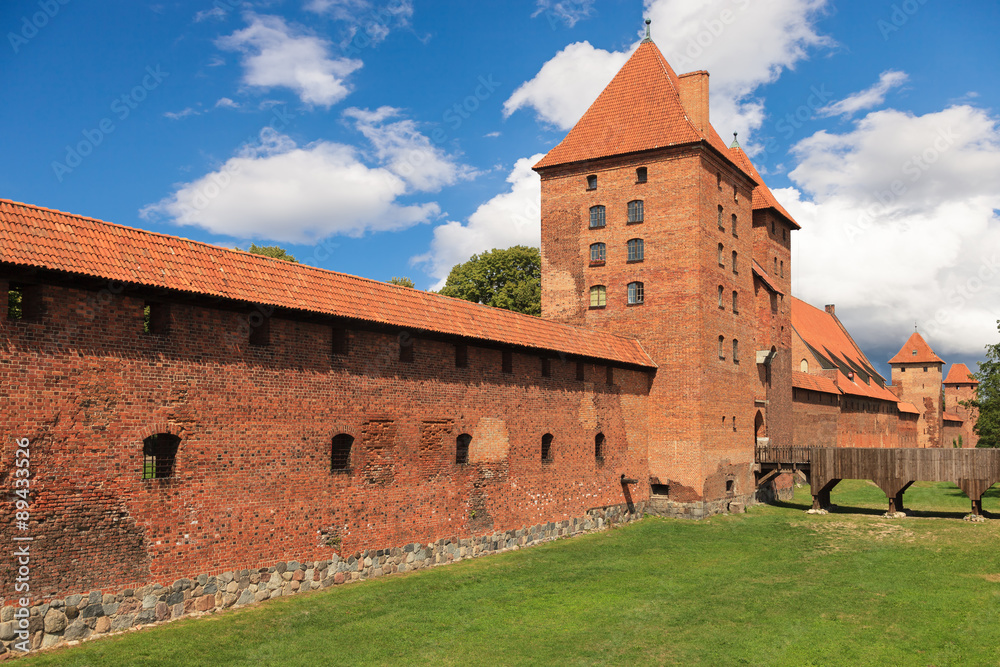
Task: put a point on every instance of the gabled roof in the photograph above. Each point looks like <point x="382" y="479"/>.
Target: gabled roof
<point x="42" y="238"/>
<point x="823" y="334"/>
<point x="960" y="374"/>
<point x="951" y="417"/>
<point x="916" y="351"/>
<point x="763" y="198"/>
<point x="910" y="408"/>
<point x="639" y="110"/>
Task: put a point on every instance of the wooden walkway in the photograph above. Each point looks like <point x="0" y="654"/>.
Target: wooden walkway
<point x="893" y="470"/>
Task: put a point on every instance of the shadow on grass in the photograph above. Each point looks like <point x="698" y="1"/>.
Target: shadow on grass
<point x="875" y="511"/>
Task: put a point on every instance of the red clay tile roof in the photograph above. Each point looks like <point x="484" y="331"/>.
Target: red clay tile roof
<point x="43" y="238"/>
<point x="907" y="407"/>
<point x="824" y="335"/>
<point x="802" y="380"/>
<point x="951" y="417"/>
<point x="763" y="198"/>
<point x="960" y="374"/>
<point x="916" y="351"/>
<point x="766" y="279"/>
<point x="639" y="110"/>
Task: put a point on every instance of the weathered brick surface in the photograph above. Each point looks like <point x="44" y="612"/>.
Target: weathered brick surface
<point x="920" y="384"/>
<point x="954" y="395"/>
<point x="252" y="482"/>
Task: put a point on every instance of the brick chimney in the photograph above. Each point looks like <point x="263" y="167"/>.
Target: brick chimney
<point x="694" y="97"/>
<point x="832" y="309"/>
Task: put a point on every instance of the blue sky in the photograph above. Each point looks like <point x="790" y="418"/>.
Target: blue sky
<point x="394" y="137"/>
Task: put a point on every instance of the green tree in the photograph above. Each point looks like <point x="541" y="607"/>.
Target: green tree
<point x="14" y="304"/>
<point x="510" y="279"/>
<point x="404" y="281"/>
<point x="987" y="400"/>
<point x="272" y="251"/>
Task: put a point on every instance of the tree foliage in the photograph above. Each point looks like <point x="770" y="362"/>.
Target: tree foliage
<point x="504" y="278"/>
<point x="404" y="281"/>
<point x="272" y="251"/>
<point x="987" y="400"/>
<point x="14" y="304"/>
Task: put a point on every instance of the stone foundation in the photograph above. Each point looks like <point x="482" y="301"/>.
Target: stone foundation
<point x="90" y="615"/>
<point x="701" y="508"/>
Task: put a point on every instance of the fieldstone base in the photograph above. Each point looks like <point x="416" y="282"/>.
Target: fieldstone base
<point x="90" y="615"/>
<point x="701" y="508"/>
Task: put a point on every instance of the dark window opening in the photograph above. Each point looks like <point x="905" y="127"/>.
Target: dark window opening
<point x="405" y="349"/>
<point x="340" y="452"/>
<point x="640" y="175"/>
<point x="722" y="349"/>
<point x="721" y="303"/>
<point x="722" y="227"/>
<point x="260" y="332"/>
<point x="736" y="352"/>
<point x="547" y="448"/>
<point x="158" y="454"/>
<point x="462" y="443"/>
<point x="718" y="181"/>
<point x="610" y="379"/>
<point x="546" y="367"/>
<point x="156" y="318"/>
<point x="599" y="447"/>
<point x="730" y="486"/>
<point x="734" y="225"/>
<point x="580" y="371"/>
<point x="24" y="302"/>
<point x="339" y="345"/>
<point x="592" y="182"/>
<point x="635" y="211"/>
<point x="736" y="302"/>
<point x="461" y="356"/>
<point x="662" y="490"/>
<point x="508" y="361"/>
<point x="597" y="216"/>
<point x="735" y="269"/>
<point x="734" y="423"/>
<point x="722" y="255"/>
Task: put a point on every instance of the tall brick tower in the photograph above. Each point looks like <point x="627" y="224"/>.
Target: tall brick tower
<point x="648" y="232"/>
<point x="960" y="386"/>
<point x="916" y="370"/>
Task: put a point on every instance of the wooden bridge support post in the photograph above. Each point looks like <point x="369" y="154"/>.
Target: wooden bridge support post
<point x="975" y="488"/>
<point x="821" y="498"/>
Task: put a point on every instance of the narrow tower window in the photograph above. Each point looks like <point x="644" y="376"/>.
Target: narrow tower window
<point x="735" y="269"/>
<point x="721" y="292"/>
<point x="547" y="448"/>
<point x="722" y="226"/>
<point x="736" y="351"/>
<point x="722" y="255"/>
<point x="599" y="447"/>
<point x="736" y="301"/>
<point x="596" y="216"/>
<point x="734" y="225"/>
<point x="722" y="348"/>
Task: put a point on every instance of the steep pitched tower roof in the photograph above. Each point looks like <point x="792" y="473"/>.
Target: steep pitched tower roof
<point x="763" y="198"/>
<point x="639" y="110"/>
<point x="960" y="374"/>
<point x="916" y="351"/>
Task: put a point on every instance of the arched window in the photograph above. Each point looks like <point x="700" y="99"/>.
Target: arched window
<point x="158" y="454"/>
<point x="722" y="255"/>
<point x="592" y="182"/>
<point x="736" y="351"/>
<point x="596" y="216"/>
<point x="635" y="250"/>
<point x="597" y="252"/>
<point x="722" y="347"/>
<point x="734" y="225"/>
<point x="599" y="446"/>
<point x="640" y="175"/>
<point x="635" y="293"/>
<point x="804" y="366"/>
<point x="598" y="296"/>
<point x="340" y="452"/>
<point x="735" y="270"/>
<point x="736" y="301"/>
<point x="722" y="226"/>
<point x="635" y="211"/>
<point x="547" y="448"/>
<point x="721" y="292"/>
<point x="462" y="443"/>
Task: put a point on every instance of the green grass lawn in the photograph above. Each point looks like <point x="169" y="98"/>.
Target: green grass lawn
<point x="773" y="586"/>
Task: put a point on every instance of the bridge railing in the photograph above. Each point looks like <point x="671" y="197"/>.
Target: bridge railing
<point x="782" y="454"/>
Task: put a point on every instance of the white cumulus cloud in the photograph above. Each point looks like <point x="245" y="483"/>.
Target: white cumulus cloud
<point x="276" y="55"/>
<point x="900" y="225"/>
<point x="568" y="12"/>
<point x="279" y="191"/>
<point x="508" y="219"/>
<point x="867" y="98"/>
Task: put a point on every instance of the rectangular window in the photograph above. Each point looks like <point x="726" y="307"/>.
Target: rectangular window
<point x="596" y="216"/>
<point x="636" y="293"/>
<point x="461" y="356"/>
<point x="640" y="175"/>
<point x="722" y="226"/>
<point x="339" y="345"/>
<point x="635" y="211"/>
<point x="736" y="351"/>
<point x="735" y="269"/>
<point x="734" y="225"/>
<point x="24" y="302"/>
<point x="592" y="182"/>
<point x="156" y="318"/>
<point x="635" y="250"/>
<point x="736" y="302"/>
<point x="597" y="252"/>
<point x="508" y="361"/>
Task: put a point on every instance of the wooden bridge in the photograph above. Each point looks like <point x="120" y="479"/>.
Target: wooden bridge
<point x="893" y="470"/>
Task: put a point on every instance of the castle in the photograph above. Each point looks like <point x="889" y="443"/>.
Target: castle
<point x="205" y="428"/>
